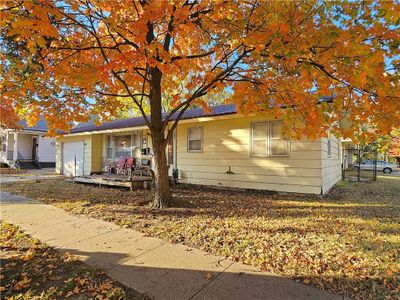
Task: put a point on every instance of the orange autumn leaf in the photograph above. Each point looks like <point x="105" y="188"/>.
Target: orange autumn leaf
<point x="106" y="286"/>
<point x="22" y="283"/>
<point x="314" y="64"/>
<point x="284" y="51"/>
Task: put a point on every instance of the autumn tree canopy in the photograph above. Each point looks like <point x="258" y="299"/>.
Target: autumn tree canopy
<point x="390" y="144"/>
<point x="74" y="58"/>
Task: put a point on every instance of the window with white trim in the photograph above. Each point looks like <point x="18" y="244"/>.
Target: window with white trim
<point x="267" y="139"/>
<point x="329" y="144"/>
<point x="109" y="147"/>
<point x="259" y="143"/>
<point x="195" y="139"/>
<point x="122" y="146"/>
<point x="136" y="140"/>
<point x="3" y="143"/>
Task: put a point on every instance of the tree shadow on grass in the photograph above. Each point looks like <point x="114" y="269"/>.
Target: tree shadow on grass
<point x="235" y="282"/>
<point x="250" y="206"/>
<point x="185" y="280"/>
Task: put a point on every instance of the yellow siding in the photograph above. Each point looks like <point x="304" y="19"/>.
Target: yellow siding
<point x="87" y="153"/>
<point x="331" y="166"/>
<point x="97" y="153"/>
<point x="227" y="143"/>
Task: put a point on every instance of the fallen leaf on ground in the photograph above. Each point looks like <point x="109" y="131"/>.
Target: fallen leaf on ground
<point x="22" y="283"/>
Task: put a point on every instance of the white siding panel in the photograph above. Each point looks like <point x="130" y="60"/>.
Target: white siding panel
<point x="73" y="164"/>
<point x="3" y="154"/>
<point x="331" y="166"/>
<point x="46" y="149"/>
<point x="24" y="146"/>
<point x="87" y="157"/>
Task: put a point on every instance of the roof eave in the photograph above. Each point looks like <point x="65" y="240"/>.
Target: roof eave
<point x="141" y="127"/>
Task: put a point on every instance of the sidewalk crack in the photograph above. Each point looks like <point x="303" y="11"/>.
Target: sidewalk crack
<point x="211" y="280"/>
<point x="133" y="257"/>
<point x="91" y="237"/>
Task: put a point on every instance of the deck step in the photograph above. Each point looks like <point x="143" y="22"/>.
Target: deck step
<point x="115" y="180"/>
<point x="29" y="165"/>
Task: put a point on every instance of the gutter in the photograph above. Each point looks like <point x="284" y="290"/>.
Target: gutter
<point x="141" y="127"/>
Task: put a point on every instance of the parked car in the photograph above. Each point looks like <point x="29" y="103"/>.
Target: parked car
<point x="381" y="166"/>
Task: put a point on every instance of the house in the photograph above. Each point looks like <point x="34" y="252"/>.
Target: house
<point x="220" y="148"/>
<point x="27" y="147"/>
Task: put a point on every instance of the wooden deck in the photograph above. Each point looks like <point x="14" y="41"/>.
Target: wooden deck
<point x="116" y="180"/>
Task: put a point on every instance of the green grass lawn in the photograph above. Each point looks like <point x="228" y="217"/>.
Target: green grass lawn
<point x="346" y="242"/>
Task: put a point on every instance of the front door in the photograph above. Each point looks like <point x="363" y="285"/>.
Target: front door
<point x="34" y="148"/>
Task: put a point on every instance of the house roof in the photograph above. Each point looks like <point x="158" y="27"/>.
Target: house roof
<point x="218" y="110"/>
<point x="41" y="125"/>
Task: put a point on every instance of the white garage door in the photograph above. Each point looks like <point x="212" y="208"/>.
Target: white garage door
<point x="73" y="158"/>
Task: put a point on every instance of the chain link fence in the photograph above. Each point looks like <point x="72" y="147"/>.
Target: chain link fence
<point x="359" y="164"/>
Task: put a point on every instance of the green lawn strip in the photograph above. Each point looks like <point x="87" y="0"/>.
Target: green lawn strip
<point x="33" y="270"/>
<point x="347" y="242"/>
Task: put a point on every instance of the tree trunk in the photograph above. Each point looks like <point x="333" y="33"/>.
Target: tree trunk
<point x="162" y="193"/>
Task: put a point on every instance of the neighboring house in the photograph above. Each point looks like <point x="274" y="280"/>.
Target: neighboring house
<point x="27" y="147"/>
<point x="220" y="148"/>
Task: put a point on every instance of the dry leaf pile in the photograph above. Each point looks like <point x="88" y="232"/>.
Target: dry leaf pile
<point x="347" y="242"/>
<point x="32" y="270"/>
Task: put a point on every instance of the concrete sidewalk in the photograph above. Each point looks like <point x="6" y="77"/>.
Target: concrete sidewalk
<point x="149" y="265"/>
<point x="36" y="174"/>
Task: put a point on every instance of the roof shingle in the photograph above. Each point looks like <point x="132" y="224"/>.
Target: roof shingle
<point x="41" y="125"/>
<point x="139" y="121"/>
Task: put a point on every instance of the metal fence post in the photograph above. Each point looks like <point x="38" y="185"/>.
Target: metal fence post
<point x="359" y="165"/>
<point x="374" y="175"/>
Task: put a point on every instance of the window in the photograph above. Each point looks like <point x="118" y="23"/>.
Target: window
<point x="260" y="139"/>
<point x="279" y="145"/>
<point x="267" y="140"/>
<point x="122" y="146"/>
<point x="109" y="147"/>
<point x="136" y="140"/>
<point x="329" y="145"/>
<point x="3" y="143"/>
<point x="195" y="139"/>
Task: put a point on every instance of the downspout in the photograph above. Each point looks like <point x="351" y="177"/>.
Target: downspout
<point x="175" y="145"/>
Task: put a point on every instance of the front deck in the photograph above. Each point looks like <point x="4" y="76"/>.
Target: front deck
<point x="116" y="180"/>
